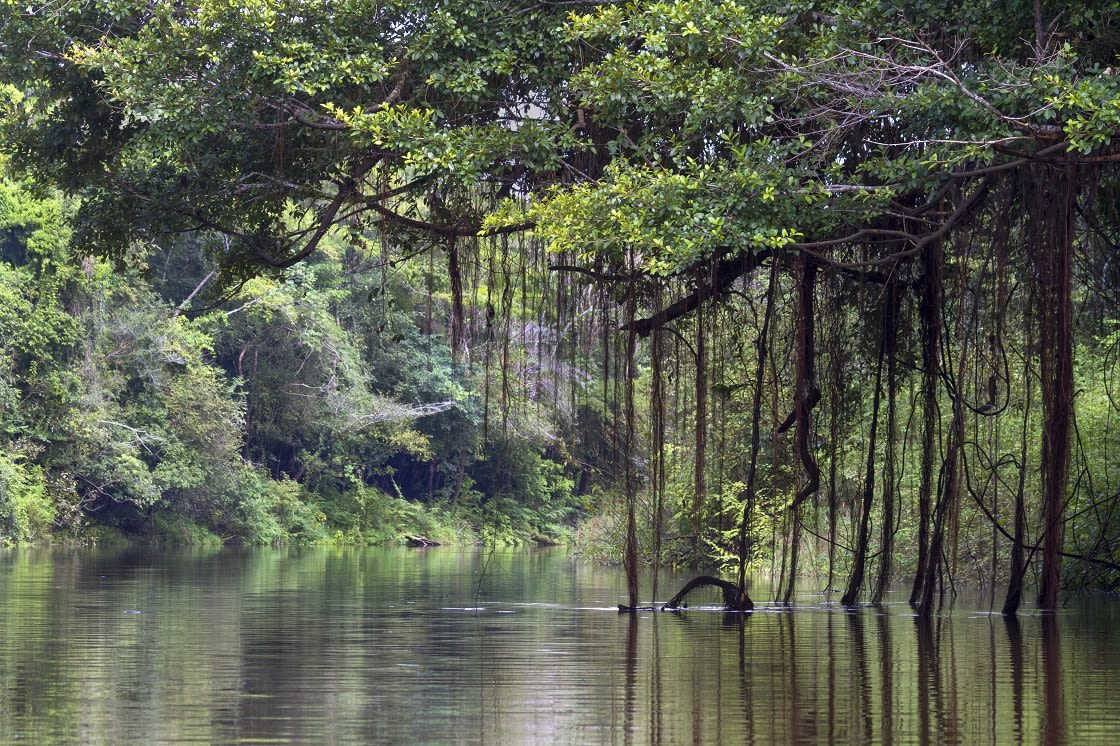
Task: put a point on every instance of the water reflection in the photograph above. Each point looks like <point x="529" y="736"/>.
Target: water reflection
<point x="1053" y="724"/>
<point x="886" y="668"/>
<point x="632" y="676"/>
<point x="927" y="664"/>
<point x="861" y="683"/>
<point x="387" y="646"/>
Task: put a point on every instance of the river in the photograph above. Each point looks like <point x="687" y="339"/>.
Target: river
<point x="464" y="646"/>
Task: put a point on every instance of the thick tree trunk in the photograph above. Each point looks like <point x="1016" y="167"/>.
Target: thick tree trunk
<point x="807" y="396"/>
<point x="931" y="373"/>
<point x="1055" y="273"/>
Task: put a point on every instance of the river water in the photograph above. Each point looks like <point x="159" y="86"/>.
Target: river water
<point x="450" y="646"/>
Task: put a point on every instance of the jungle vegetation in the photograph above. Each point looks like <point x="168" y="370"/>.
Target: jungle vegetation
<point x="807" y="287"/>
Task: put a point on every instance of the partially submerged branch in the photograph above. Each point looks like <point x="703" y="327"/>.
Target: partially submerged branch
<point x="734" y="599"/>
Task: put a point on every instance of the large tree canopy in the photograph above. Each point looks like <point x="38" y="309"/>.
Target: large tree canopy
<point x="683" y="129"/>
<point x="931" y="170"/>
<point x="270" y="122"/>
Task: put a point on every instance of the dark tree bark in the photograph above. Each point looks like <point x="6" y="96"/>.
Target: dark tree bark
<point x="734" y="599"/>
<point x="931" y="374"/>
<point x="457" y="336"/>
<point x="807" y="396"/>
<point x="725" y="272"/>
<point x="700" y="431"/>
<point x="1018" y="567"/>
<point x="657" y="447"/>
<point x="762" y="346"/>
<point x="1018" y="563"/>
<point x="630" y="554"/>
<point x="949" y="493"/>
<point x="1055" y="312"/>
<point x="836" y="382"/>
<point x="859" y="562"/>
<point x="886" y="547"/>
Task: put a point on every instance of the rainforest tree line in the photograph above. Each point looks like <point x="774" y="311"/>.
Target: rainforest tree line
<point x="810" y="287"/>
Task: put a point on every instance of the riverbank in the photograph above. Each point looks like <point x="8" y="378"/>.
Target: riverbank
<point x="366" y="518"/>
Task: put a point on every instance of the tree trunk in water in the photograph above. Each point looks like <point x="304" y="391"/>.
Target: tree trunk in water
<point x="756" y="414"/>
<point x="946" y="500"/>
<point x="1055" y="314"/>
<point x="630" y="554"/>
<point x="855" y="581"/>
<point x="886" y="549"/>
<point x="931" y="358"/>
<point x="1018" y="559"/>
<point x="947" y="509"/>
<point x="657" y="446"/>
<point x="807" y="397"/>
<point x="836" y="382"/>
<point x="700" y="431"/>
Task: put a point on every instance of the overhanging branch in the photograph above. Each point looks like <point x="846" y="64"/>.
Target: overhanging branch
<point x="726" y="272"/>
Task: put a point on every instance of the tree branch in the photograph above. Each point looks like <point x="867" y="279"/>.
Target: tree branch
<point x="726" y="272"/>
<point x="453" y="231"/>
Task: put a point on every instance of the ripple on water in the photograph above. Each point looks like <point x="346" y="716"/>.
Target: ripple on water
<point x="380" y="646"/>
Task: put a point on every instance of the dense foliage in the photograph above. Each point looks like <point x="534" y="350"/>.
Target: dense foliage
<point x="297" y="409"/>
<point x="761" y="283"/>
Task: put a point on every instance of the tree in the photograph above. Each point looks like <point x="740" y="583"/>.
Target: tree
<point x="665" y="152"/>
<point x="271" y="122"/>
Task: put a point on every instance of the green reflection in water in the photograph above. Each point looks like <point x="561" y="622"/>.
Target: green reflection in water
<point x="454" y="646"/>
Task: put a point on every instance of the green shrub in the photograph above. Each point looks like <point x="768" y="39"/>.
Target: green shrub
<point x="367" y="515"/>
<point x="276" y="512"/>
<point x="26" y="508"/>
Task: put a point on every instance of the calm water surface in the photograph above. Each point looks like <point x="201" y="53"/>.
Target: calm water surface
<point x="444" y="646"/>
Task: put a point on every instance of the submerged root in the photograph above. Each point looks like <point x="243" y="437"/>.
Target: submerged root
<point x="733" y="598"/>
